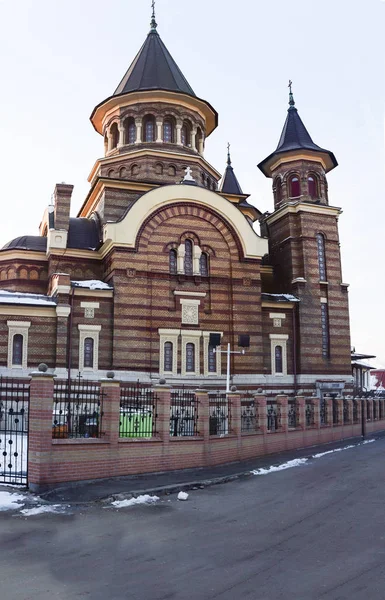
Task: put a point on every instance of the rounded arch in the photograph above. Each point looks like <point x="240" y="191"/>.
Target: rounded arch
<point x="110" y="173"/>
<point x="122" y="172"/>
<point x="294" y="185"/>
<point x="114" y="133"/>
<point x="172" y="170"/>
<point x="189" y="235"/>
<point x="129" y="130"/>
<point x="149" y="128"/>
<point x="313" y="185"/>
<point x="135" y="170"/>
<point x="159" y="169"/>
<point x="185" y="199"/>
<point x="169" y="123"/>
<point x="34" y="274"/>
<point x="186" y="133"/>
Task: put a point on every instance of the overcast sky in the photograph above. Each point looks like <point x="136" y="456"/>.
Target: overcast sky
<point x="59" y="58"/>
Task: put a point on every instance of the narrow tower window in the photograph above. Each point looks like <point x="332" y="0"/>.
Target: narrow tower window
<point x="186" y="135"/>
<point x="278" y="359"/>
<point x="190" y="358"/>
<point x="17" y="350"/>
<point x="312" y="186"/>
<point x="115" y="135"/>
<point x="173" y="262"/>
<point x="204" y="265"/>
<point x="188" y="259"/>
<point x="321" y="256"/>
<point x="212" y="358"/>
<point x="130" y="131"/>
<point x="325" y="331"/>
<point x="278" y="190"/>
<point x="89" y="353"/>
<point x="149" y="130"/>
<point x="294" y="187"/>
<point x="168" y="132"/>
<point x="168" y="352"/>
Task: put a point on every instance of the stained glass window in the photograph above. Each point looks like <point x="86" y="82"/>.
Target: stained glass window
<point x="212" y="358"/>
<point x="190" y="358"/>
<point x="168" y="355"/>
<point x="149" y="130"/>
<point x="321" y="256"/>
<point x="204" y="265"/>
<point x="295" y="188"/>
<point x="17" y="349"/>
<point x="131" y="132"/>
<point x="89" y="353"/>
<point x="312" y="187"/>
<point x="167" y="132"/>
<point x="188" y="259"/>
<point x="278" y="359"/>
<point x="173" y="262"/>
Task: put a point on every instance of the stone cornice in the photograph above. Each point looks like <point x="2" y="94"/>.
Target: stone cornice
<point x="302" y="207"/>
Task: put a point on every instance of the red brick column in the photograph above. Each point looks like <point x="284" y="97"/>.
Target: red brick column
<point x="316" y="402"/>
<point x="204" y="421"/>
<point x="163" y="393"/>
<point x="283" y="404"/>
<point x="40" y="430"/>
<point x="300" y="400"/>
<point x="329" y="404"/>
<point x="340" y="410"/>
<point x="262" y="413"/>
<point x="110" y="390"/>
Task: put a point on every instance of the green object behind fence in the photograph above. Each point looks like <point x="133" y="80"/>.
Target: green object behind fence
<point x="135" y="425"/>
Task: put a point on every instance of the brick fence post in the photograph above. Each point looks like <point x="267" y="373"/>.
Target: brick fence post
<point x="340" y="410"/>
<point x="300" y="402"/>
<point x="163" y="393"/>
<point x="262" y="413"/>
<point x="282" y="403"/>
<point x="40" y="430"/>
<point x="316" y="402"/>
<point x="110" y="390"/>
<point x="329" y="404"/>
<point x="204" y="421"/>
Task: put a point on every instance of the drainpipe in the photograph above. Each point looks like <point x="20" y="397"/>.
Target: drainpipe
<point x="295" y="348"/>
<point x="69" y="354"/>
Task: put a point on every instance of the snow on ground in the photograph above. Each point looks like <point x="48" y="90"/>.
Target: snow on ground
<point x="146" y="499"/>
<point x="296" y="462"/>
<point x="182" y="496"/>
<point x="39" y="510"/>
<point x="10" y="501"/>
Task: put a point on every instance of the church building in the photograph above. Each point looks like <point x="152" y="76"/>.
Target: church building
<point x="164" y="252"/>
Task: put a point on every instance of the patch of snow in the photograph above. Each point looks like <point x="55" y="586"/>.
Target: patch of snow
<point x="24" y="298"/>
<point x="146" y="499"/>
<point x="182" y="496"/>
<point x="10" y="501"/>
<point x="296" y="462"/>
<point x="92" y="284"/>
<point x="332" y="451"/>
<point x="39" y="510"/>
<point x="367" y="442"/>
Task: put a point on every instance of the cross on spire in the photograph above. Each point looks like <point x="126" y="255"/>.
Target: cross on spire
<point x="154" y="24"/>
<point x="291" y="97"/>
<point x="228" y="154"/>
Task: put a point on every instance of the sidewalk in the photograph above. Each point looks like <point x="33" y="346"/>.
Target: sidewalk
<point x="176" y="481"/>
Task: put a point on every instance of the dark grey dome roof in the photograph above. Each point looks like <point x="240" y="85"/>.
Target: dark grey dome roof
<point x="83" y="234"/>
<point x="27" y="242"/>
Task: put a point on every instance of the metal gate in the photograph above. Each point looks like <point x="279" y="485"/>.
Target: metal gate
<point x="14" y="416"/>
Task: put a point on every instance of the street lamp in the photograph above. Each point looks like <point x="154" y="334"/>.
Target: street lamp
<point x="243" y="342"/>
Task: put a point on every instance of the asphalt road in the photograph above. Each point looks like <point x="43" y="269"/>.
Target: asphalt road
<point x="312" y="532"/>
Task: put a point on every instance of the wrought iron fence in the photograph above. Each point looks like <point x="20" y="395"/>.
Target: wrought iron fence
<point x="309" y="414"/>
<point x="324" y="412"/>
<point x="220" y="414"/>
<point x="346" y="411"/>
<point x="335" y="411"/>
<point x="14" y="419"/>
<point x="368" y="417"/>
<point x="380" y="409"/>
<point x="183" y="414"/>
<point x="273" y="416"/>
<point x="374" y="404"/>
<point x="355" y="411"/>
<point x="249" y="414"/>
<point x="77" y="409"/>
<point x="138" y="411"/>
<point x="293" y="414"/>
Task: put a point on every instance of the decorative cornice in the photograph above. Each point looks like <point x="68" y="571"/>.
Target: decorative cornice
<point x="298" y="207"/>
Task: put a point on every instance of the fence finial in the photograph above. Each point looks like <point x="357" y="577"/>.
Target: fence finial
<point x="43" y="368"/>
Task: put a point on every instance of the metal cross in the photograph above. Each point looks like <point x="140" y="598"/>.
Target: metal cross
<point x="228" y="147"/>
<point x="290" y="84"/>
<point x="153" y="8"/>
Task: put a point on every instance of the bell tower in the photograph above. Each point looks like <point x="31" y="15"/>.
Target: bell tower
<point x="304" y="248"/>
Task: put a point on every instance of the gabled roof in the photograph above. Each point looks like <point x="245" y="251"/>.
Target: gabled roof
<point x="154" y="68"/>
<point x="230" y="184"/>
<point x="296" y="137"/>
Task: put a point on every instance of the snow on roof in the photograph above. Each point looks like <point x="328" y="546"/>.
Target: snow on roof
<point x="21" y="298"/>
<point x="92" y="284"/>
<point x="361" y="363"/>
<point x="282" y="297"/>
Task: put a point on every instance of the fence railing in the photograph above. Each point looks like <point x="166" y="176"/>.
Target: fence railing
<point x="273" y="416"/>
<point x="138" y="412"/>
<point x="184" y="414"/>
<point x="309" y="414"/>
<point x="14" y="420"/>
<point x="249" y="415"/>
<point x="355" y="411"/>
<point x="220" y="414"/>
<point x="335" y="411"/>
<point x="346" y="413"/>
<point x="323" y="412"/>
<point x="292" y="414"/>
<point x="77" y="409"/>
<point x="374" y="403"/>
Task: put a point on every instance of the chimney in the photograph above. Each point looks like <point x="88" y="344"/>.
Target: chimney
<point x="62" y="194"/>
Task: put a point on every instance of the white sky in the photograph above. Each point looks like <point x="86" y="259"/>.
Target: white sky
<point x="58" y="59"/>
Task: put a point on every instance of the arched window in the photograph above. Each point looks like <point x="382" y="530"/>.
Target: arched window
<point x="312" y="186"/>
<point x="188" y="258"/>
<point x="173" y="262"/>
<point x="89" y="353"/>
<point x="149" y="129"/>
<point x="115" y="135"/>
<point x="208" y="183"/>
<point x="204" y="265"/>
<point x="130" y="131"/>
<point x="278" y="359"/>
<point x="168" y="356"/>
<point x="186" y="134"/>
<point x="212" y="360"/>
<point x="159" y="169"/>
<point x="325" y="331"/>
<point x="278" y="190"/>
<point x="198" y="139"/>
<point x="17" y="350"/>
<point x="105" y="144"/>
<point x="294" y="187"/>
<point x="122" y="172"/>
<point x="321" y="256"/>
<point x="135" y="170"/>
<point x="172" y="171"/>
<point x="190" y="358"/>
<point x="168" y="131"/>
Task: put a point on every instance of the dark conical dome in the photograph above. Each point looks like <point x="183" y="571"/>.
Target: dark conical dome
<point x="230" y="184"/>
<point x="154" y="68"/>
